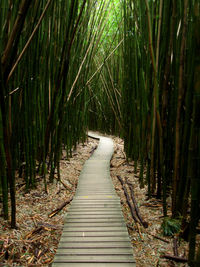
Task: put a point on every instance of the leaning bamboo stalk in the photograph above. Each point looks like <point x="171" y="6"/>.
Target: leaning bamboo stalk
<point x="80" y="68"/>
<point x="29" y="40"/>
<point x="110" y="99"/>
<point x="100" y="67"/>
<point x="63" y="71"/>
<point x="159" y="33"/>
<point x="114" y="90"/>
<point x="16" y="29"/>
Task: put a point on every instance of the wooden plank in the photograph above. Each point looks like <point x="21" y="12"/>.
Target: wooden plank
<point x="90" y="264"/>
<point x="94" y="258"/>
<point x="90" y="234"/>
<point x="92" y="198"/>
<point x="92" y="209"/>
<point x="97" y="224"/>
<point x="122" y="244"/>
<point x="105" y="202"/>
<point x="94" y="212"/>
<point x="92" y="191"/>
<point x="94" y="220"/>
<point x="68" y="228"/>
<point x="98" y="207"/>
<point x="96" y="239"/>
<point x="94" y="216"/>
<point x="94" y="251"/>
<point x="98" y="194"/>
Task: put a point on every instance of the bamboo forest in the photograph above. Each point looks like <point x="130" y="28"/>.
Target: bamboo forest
<point x="129" y="69"/>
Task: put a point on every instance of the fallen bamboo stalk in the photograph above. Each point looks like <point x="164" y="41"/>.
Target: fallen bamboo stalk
<point x="138" y="229"/>
<point x="93" y="149"/>
<point x="120" y="164"/>
<point x="49" y="226"/>
<point x="66" y="186"/>
<point x="54" y="212"/>
<point x="41" y="226"/>
<point x="155" y="236"/>
<point x="175" y="247"/>
<point x="158" y="237"/>
<point x="144" y="223"/>
<point x="174" y="258"/>
<point x="93" y="137"/>
<point x="133" y="213"/>
<point x="33" y="232"/>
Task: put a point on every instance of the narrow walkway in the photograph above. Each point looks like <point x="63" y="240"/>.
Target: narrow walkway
<point x="95" y="233"/>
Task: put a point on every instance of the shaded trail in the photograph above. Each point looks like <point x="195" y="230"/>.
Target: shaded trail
<point x="95" y="232"/>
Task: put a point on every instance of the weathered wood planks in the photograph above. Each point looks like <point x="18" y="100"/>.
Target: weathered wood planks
<point x="95" y="233"/>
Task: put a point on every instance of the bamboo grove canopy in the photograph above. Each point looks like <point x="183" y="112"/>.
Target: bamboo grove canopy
<point x="126" y="67"/>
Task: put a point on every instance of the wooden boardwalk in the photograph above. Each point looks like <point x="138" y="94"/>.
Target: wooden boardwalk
<point x="95" y="232"/>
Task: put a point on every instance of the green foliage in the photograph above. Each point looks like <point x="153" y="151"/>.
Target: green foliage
<point x="113" y="22"/>
<point x="170" y="226"/>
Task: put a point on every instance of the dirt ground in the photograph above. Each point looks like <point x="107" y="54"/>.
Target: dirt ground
<point x="35" y="241"/>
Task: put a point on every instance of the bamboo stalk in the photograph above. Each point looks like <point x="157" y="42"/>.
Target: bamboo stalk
<point x="181" y="90"/>
<point x="29" y="41"/>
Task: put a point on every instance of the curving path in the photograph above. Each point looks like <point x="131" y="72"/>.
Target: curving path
<point x="95" y="232"/>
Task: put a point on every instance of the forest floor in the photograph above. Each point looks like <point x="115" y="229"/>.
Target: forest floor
<point x="35" y="241"/>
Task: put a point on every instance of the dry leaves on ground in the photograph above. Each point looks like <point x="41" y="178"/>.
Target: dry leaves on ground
<point x="147" y="248"/>
<point x="35" y="241"/>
